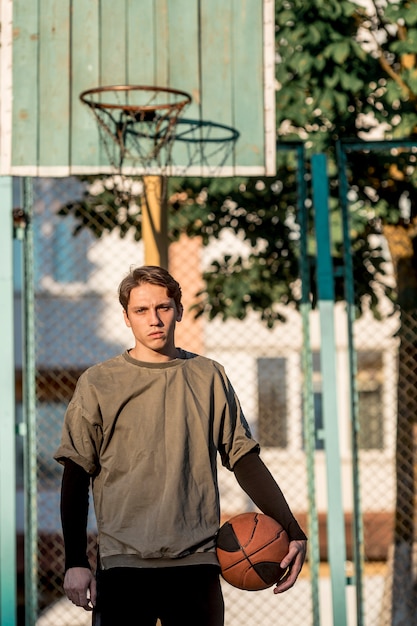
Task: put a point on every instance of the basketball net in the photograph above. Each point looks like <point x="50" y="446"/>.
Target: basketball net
<point x="137" y="127"/>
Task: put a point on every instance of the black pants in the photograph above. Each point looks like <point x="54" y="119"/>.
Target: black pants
<point x="178" y="596"/>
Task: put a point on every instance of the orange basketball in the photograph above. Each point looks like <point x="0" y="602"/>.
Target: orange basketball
<point x="250" y="548"/>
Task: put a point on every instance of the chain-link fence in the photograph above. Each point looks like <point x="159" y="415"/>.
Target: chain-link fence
<point x="78" y="322"/>
<point x="387" y="374"/>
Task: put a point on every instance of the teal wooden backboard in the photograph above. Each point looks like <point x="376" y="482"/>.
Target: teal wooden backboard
<point x="219" y="51"/>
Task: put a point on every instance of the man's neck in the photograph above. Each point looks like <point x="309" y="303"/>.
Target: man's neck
<point x="151" y="356"/>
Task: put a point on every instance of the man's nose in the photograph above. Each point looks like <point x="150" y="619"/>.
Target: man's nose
<point x="154" y="317"/>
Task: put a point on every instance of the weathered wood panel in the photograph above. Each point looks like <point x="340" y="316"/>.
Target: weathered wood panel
<point x="183" y="43"/>
<point x="25" y="78"/>
<point x="54" y="71"/>
<point x="85" y="72"/>
<point x="216" y="67"/>
<point x="248" y="78"/>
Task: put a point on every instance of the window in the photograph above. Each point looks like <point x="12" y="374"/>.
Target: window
<point x="370" y="407"/>
<point x="272" y="402"/>
<point x="317" y="402"/>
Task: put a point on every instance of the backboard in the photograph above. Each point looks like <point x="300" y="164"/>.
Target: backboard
<point x="221" y="52"/>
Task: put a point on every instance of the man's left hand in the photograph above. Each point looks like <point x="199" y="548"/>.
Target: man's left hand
<point x="294" y="561"/>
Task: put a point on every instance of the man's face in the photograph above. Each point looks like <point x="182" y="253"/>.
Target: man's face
<point x="152" y="315"/>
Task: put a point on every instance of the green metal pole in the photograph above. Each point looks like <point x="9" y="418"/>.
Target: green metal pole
<point x="358" y="538"/>
<point x="8" y="593"/>
<point x="325" y="287"/>
<point x="308" y="408"/>
<point x="29" y="391"/>
<point x="307" y="369"/>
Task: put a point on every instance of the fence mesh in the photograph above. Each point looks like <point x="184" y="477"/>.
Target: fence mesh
<point x="79" y="322"/>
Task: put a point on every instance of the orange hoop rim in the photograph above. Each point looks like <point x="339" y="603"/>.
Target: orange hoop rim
<point x="185" y="98"/>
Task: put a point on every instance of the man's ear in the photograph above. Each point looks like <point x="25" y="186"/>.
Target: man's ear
<point x="180" y="312"/>
<point x="126" y="318"/>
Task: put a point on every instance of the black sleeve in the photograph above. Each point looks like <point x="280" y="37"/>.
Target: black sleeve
<point x="74" y="514"/>
<point x="257" y="481"/>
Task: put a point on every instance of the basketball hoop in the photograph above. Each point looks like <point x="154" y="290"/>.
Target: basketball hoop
<point x="137" y="124"/>
<point x="137" y="129"/>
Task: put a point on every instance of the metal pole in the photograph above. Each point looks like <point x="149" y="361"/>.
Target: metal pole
<point x="29" y="391"/>
<point x="325" y="287"/>
<point x="8" y="593"/>
<point x="307" y="367"/>
<point x="358" y="539"/>
<point x="155" y="221"/>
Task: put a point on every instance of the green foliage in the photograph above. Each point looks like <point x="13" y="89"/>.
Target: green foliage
<point x="262" y="213"/>
<point x="323" y="63"/>
<point x="384" y="181"/>
<point x="107" y="205"/>
<point x="322" y="71"/>
<point x="408" y="46"/>
<point x="405" y="11"/>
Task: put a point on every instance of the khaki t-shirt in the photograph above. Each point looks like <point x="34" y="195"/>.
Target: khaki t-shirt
<point x="149" y="434"/>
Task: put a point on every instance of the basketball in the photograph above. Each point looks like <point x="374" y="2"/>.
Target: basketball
<point x="250" y="548"/>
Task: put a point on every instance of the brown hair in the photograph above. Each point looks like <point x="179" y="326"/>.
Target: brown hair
<point x="153" y="275"/>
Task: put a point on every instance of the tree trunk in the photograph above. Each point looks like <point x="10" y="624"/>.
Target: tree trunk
<point x="404" y="603"/>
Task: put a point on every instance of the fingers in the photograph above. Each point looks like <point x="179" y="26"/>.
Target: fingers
<point x="287" y="582"/>
<point x="80" y="587"/>
<point x="93" y="592"/>
<point x="294" y="561"/>
<point x="83" y="601"/>
<point x="297" y="548"/>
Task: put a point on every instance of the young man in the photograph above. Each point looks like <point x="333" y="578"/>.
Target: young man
<point x="146" y="427"/>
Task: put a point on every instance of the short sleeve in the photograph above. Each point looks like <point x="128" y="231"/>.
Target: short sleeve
<point x="236" y="438"/>
<point x="82" y="429"/>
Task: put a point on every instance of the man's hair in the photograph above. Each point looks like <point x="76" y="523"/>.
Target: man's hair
<point x="153" y="275"/>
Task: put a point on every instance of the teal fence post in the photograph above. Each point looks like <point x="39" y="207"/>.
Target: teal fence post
<point x="308" y="395"/>
<point x="307" y="369"/>
<point x="29" y="397"/>
<point x="8" y="594"/>
<point x="358" y="538"/>
<point x="325" y="287"/>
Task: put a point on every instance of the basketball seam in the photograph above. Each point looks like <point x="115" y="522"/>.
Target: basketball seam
<point x="245" y="555"/>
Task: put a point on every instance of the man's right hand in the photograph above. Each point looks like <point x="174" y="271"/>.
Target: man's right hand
<point x="80" y="587"/>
